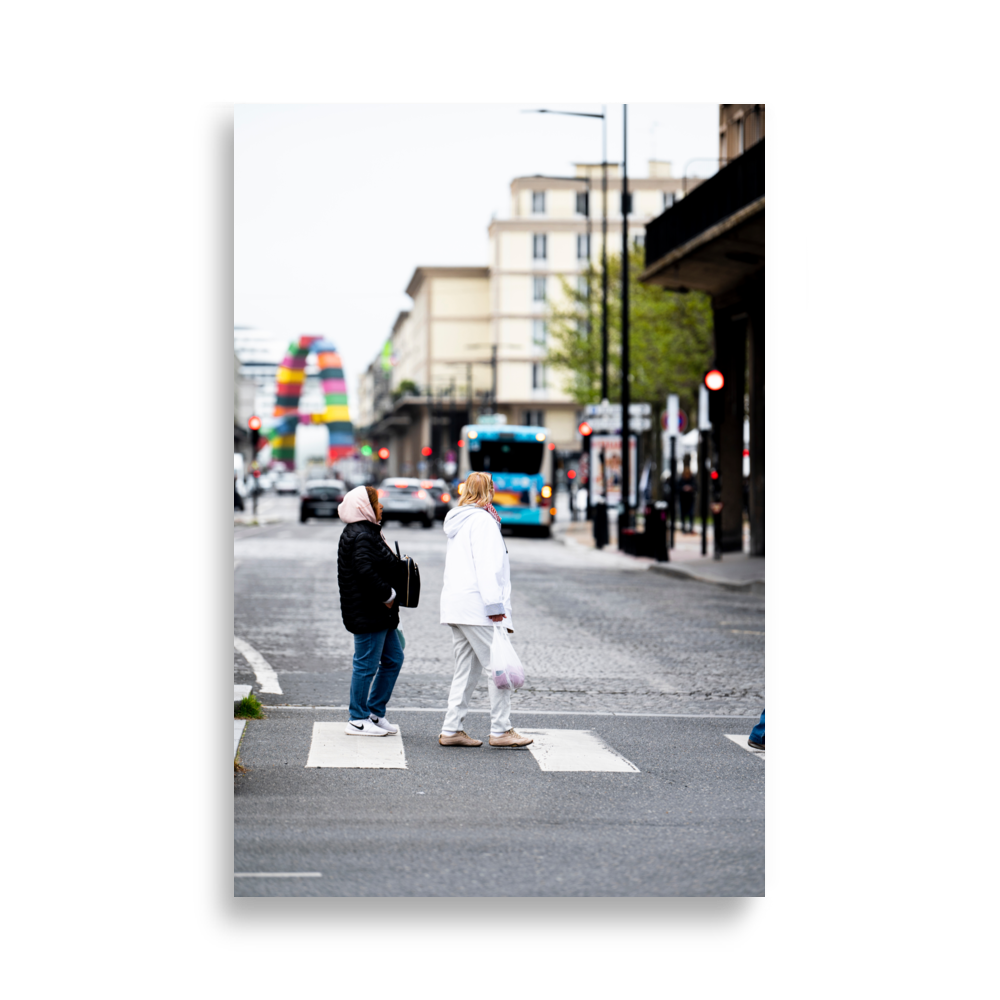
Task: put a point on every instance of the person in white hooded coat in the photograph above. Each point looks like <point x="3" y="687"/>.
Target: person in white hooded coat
<point x="475" y="599"/>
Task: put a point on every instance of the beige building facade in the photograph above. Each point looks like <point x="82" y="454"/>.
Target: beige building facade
<point x="476" y="338"/>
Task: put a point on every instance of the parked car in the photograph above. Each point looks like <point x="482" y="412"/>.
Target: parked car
<point x="287" y="482"/>
<point x="406" y="500"/>
<point x="441" y="494"/>
<point x="321" y="498"/>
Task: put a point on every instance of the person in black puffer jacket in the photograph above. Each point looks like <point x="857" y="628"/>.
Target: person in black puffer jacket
<point x="366" y="570"/>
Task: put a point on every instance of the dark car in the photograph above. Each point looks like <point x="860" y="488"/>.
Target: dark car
<point x="321" y="498"/>
<point x="442" y="496"/>
<point x="406" y="500"/>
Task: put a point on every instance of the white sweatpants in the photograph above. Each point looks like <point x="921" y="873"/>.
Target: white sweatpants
<point x="472" y="655"/>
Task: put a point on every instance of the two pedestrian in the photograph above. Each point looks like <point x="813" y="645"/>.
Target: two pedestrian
<point x="366" y="568"/>
<point x="475" y="599"/>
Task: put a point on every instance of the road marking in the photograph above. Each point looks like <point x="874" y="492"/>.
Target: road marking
<point x="266" y="677"/>
<point x="238" y="725"/>
<point x="277" y="874"/>
<point x="332" y="747"/>
<point x="574" y="750"/>
<point x="741" y="741"/>
<point x="522" y="711"/>
<point x="241" y="691"/>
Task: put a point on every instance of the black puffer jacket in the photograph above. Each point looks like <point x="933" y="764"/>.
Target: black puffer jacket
<point x="366" y="571"/>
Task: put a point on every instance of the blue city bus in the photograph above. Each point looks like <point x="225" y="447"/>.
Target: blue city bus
<point x="519" y="460"/>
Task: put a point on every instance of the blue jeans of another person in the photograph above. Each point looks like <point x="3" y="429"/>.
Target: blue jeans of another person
<point x="377" y="659"/>
<point x="757" y="733"/>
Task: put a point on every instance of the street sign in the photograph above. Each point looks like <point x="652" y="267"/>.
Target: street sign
<point x="607" y="409"/>
<point x="682" y="417"/>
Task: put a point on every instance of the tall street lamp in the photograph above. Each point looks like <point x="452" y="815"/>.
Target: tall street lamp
<point x="604" y="229"/>
<point x="625" y="521"/>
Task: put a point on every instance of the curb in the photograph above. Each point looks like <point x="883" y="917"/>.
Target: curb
<point x="748" y="586"/>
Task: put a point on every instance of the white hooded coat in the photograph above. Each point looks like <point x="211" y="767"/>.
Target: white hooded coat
<point x="476" y="569"/>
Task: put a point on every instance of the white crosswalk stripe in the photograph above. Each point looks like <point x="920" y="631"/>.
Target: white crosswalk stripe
<point x="574" y="750"/>
<point x="741" y="741"/>
<point x="332" y="747"/>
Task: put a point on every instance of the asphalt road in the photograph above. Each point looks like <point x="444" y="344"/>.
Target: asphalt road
<point x="597" y="633"/>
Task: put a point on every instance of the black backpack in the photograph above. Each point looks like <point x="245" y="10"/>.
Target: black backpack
<point x="408" y="586"/>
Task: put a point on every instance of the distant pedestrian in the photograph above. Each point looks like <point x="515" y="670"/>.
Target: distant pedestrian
<point x="476" y="597"/>
<point x="366" y="567"/>
<point x="686" y="491"/>
<point x="756" y="739"/>
<point x="581" y="502"/>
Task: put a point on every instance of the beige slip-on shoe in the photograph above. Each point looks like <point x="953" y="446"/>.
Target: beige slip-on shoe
<point x="460" y="739"/>
<point x="511" y="738"/>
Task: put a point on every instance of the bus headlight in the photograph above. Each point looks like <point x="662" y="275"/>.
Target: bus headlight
<point x="539" y="437"/>
<point x="546" y="491"/>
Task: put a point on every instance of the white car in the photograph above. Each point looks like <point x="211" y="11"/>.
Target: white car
<point x="287" y="482"/>
<point x="406" y="500"/>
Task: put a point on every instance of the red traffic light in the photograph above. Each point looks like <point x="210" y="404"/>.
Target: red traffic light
<point x="715" y="473"/>
<point x="427" y="451"/>
<point x="383" y="453"/>
<point x="254" y="423"/>
<point x="714" y="380"/>
<point x="585" y="429"/>
<point x="571" y="474"/>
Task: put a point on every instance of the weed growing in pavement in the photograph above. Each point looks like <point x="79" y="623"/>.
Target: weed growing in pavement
<point x="249" y="708"/>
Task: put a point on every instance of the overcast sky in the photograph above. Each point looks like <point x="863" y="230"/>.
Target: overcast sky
<point x="335" y="205"/>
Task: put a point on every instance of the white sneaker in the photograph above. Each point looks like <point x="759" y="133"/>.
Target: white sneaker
<point x="364" y="727"/>
<point x="383" y="723"/>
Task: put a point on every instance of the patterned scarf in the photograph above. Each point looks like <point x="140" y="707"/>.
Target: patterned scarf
<point x="489" y="507"/>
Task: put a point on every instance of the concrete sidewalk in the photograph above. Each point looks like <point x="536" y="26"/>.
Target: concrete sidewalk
<point x="735" y="571"/>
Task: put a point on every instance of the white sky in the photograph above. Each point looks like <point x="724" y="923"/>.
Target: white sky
<point x="335" y="205"/>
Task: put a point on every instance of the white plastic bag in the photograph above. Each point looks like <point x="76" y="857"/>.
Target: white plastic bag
<point x="505" y="667"/>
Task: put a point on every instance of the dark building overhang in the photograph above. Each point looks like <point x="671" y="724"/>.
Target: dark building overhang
<point x="713" y="240"/>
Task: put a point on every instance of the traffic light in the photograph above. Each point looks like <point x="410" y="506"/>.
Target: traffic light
<point x="427" y="451"/>
<point x="714" y="381"/>
<point x="254" y="424"/>
<point x="366" y="450"/>
<point x="383" y="453"/>
<point x="585" y="429"/>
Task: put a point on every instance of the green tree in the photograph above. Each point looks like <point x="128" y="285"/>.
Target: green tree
<point x="670" y="344"/>
<point x="670" y="338"/>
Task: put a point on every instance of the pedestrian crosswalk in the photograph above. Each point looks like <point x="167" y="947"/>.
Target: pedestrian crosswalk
<point x="574" y="750"/>
<point x="332" y="747"/>
<point x="552" y="750"/>
<point x="741" y="741"/>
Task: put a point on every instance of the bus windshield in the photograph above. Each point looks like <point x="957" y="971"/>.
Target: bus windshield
<point x="506" y="456"/>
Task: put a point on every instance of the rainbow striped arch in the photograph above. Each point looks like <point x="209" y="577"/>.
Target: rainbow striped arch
<point x="287" y="416"/>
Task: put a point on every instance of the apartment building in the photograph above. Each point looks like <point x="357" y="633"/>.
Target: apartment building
<point x="476" y="338"/>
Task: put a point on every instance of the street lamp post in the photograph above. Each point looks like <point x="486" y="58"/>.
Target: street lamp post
<point x="604" y="230"/>
<point x="625" y="519"/>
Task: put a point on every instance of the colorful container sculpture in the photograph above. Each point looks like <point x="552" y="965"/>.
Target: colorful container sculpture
<point x="287" y="416"/>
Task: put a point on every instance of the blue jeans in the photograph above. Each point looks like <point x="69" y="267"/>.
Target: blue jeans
<point x="757" y="733"/>
<point x="377" y="659"/>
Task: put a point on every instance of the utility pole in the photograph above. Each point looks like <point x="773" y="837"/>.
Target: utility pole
<point x="625" y="519"/>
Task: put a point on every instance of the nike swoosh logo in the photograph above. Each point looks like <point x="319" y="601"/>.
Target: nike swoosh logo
<point x="362" y="726"/>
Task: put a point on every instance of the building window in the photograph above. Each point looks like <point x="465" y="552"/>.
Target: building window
<point x="639" y="240"/>
<point x="538" y="202"/>
<point x="668" y="200"/>
<point x="739" y="138"/>
<point x="537" y="375"/>
<point x="582" y="202"/>
<point x="538" y="246"/>
<point x="538" y="294"/>
<point x="626" y="202"/>
<point x="582" y="285"/>
<point x="583" y="246"/>
<point x="539" y="332"/>
<point x="534" y="418"/>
